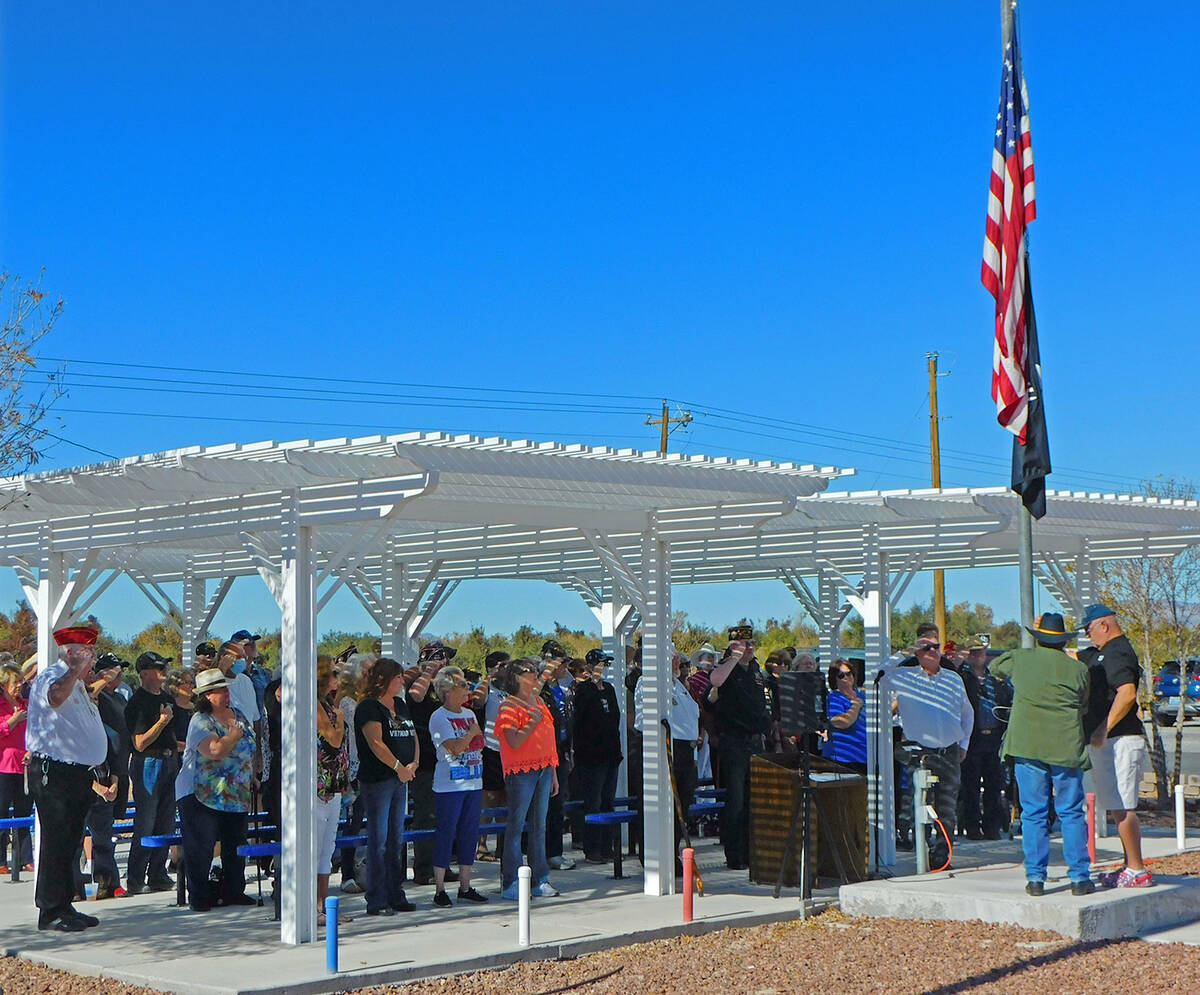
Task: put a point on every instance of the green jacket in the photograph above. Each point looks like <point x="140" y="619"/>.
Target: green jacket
<point x="1050" y="694"/>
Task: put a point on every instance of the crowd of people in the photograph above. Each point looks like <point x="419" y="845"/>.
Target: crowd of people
<point x="437" y="747"/>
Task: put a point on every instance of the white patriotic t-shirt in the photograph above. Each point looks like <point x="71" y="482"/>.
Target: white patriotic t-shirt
<point x="463" y="772"/>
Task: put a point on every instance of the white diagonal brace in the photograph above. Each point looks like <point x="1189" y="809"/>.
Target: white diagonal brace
<point x="83" y="576"/>
<point x="903" y="576"/>
<point x="618" y="569"/>
<point x="29" y="582"/>
<point x="415" y="595"/>
<point x="437" y="600"/>
<point x="81" y="606"/>
<point x="261" y="558"/>
<point x="795" y="583"/>
<point x="361" y="587"/>
<point x="157" y="597"/>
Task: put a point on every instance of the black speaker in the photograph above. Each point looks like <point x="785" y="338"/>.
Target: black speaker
<point x="800" y="703"/>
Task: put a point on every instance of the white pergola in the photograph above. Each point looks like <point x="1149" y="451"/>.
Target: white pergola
<point x="401" y="520"/>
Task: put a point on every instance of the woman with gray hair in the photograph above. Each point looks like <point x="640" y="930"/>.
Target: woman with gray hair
<point x="457" y="783"/>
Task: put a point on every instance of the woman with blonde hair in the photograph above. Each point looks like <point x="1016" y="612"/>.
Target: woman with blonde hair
<point x="333" y="777"/>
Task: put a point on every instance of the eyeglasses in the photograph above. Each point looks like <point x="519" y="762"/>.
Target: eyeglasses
<point x="926" y="647"/>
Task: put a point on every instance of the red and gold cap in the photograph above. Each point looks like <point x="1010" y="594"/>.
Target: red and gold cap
<point x="76" y="635"/>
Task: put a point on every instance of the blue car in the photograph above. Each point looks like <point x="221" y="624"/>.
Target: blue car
<point x="1166" y="692"/>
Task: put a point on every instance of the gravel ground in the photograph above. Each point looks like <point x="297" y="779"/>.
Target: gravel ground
<point x="830" y="952"/>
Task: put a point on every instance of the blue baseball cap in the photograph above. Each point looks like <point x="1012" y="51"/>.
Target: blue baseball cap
<point x="242" y="635"/>
<point x="1093" y="612"/>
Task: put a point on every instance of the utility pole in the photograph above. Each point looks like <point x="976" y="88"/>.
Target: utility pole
<point x="935" y="457"/>
<point x="666" y="421"/>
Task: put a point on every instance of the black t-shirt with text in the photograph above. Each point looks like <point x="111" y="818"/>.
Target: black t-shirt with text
<point x="142" y="713"/>
<point x="399" y="736"/>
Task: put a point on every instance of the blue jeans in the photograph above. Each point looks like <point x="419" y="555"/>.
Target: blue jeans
<point x="1035" y="779"/>
<point x="385" y="803"/>
<point x="528" y="799"/>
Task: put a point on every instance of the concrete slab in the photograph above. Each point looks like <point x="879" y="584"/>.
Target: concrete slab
<point x="995" y="892"/>
<point x="147" y="941"/>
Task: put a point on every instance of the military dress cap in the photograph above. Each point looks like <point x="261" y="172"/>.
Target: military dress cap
<point x="150" y="659"/>
<point x="1093" y="612"/>
<point x="1050" y="629"/>
<point x="76" y="635"/>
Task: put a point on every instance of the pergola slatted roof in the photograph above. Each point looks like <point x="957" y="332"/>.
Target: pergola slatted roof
<point x="490" y="507"/>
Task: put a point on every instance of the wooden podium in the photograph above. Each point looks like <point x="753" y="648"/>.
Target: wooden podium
<point x="774" y="785"/>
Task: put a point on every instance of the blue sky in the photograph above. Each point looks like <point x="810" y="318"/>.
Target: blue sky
<point x="773" y="209"/>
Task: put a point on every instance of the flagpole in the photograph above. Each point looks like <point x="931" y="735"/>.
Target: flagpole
<point x="1024" y="518"/>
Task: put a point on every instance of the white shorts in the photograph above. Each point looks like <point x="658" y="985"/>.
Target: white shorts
<point x="1117" y="772"/>
<point x="325" y="835"/>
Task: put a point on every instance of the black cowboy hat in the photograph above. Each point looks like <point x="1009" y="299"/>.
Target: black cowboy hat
<point x="1050" y="630"/>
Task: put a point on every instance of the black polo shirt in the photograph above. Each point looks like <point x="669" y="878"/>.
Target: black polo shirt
<point x="142" y="712"/>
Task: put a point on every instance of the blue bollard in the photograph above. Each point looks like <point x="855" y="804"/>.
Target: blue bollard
<point x="331" y="934"/>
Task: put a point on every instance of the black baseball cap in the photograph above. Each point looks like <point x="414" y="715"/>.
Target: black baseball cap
<point x="597" y="655"/>
<point x="552" y="650"/>
<point x="206" y="649"/>
<point x="150" y="659"/>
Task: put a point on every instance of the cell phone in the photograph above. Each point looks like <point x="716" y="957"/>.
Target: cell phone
<point x="742" y="632"/>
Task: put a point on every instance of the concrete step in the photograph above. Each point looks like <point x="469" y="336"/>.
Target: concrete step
<point x="997" y="895"/>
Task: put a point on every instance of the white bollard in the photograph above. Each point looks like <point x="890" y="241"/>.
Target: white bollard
<point x="1180" y="820"/>
<point x="524" y="886"/>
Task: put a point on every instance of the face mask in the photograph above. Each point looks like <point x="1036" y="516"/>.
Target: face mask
<point x="239" y="667"/>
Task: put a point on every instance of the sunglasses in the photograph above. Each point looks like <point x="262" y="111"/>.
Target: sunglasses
<point x="926" y="647"/>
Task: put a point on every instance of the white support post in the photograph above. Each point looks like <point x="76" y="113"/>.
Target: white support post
<point x="392" y="592"/>
<point x="872" y="603"/>
<point x="194" y="602"/>
<point x="829" y="596"/>
<point x="297" y="880"/>
<point x="52" y="579"/>
<point x="658" y="814"/>
<point x="617" y="621"/>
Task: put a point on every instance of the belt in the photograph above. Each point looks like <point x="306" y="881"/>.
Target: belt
<point x="683" y="742"/>
<point x="929" y="749"/>
<point x="164" y="753"/>
<point x="62" y="763"/>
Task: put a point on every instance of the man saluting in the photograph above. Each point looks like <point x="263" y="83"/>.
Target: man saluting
<point x="66" y="740"/>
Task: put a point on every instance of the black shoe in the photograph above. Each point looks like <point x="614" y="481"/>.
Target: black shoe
<point x="991" y="834"/>
<point x="65" y="923"/>
<point x="139" y="889"/>
<point x="1079" y="888"/>
<point x="451" y="875"/>
<point x="442" y="900"/>
<point x="159" y="884"/>
<point x="83" y="917"/>
<point x="904" y="843"/>
<point x="423" y="879"/>
<point x="385" y="911"/>
<point x="1036" y="888"/>
<point x="199" y="906"/>
<point x="471" y="895"/>
<point x="240" y="900"/>
<point x="974" y="834"/>
<point x="404" y="905"/>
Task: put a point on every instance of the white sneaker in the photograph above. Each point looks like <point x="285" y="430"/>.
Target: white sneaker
<point x="545" y="890"/>
<point x="351" y="887"/>
<point x="562" y="863"/>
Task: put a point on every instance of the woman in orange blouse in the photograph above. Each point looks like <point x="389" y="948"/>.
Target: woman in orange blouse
<point x="525" y="730"/>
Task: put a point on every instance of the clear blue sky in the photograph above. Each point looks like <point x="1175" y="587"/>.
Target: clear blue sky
<point x="773" y="208"/>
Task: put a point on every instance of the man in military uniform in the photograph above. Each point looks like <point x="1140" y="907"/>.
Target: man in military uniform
<point x="1045" y="742"/>
<point x="66" y="739"/>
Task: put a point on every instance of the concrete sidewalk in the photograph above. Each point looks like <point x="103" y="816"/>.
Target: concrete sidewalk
<point x="994" y="891"/>
<point x="148" y="941"/>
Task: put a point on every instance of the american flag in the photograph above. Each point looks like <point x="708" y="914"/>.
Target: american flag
<point x="1011" y="207"/>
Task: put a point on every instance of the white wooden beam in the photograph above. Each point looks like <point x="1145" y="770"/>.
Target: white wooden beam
<point x="658" y="814"/>
<point x="297" y="603"/>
